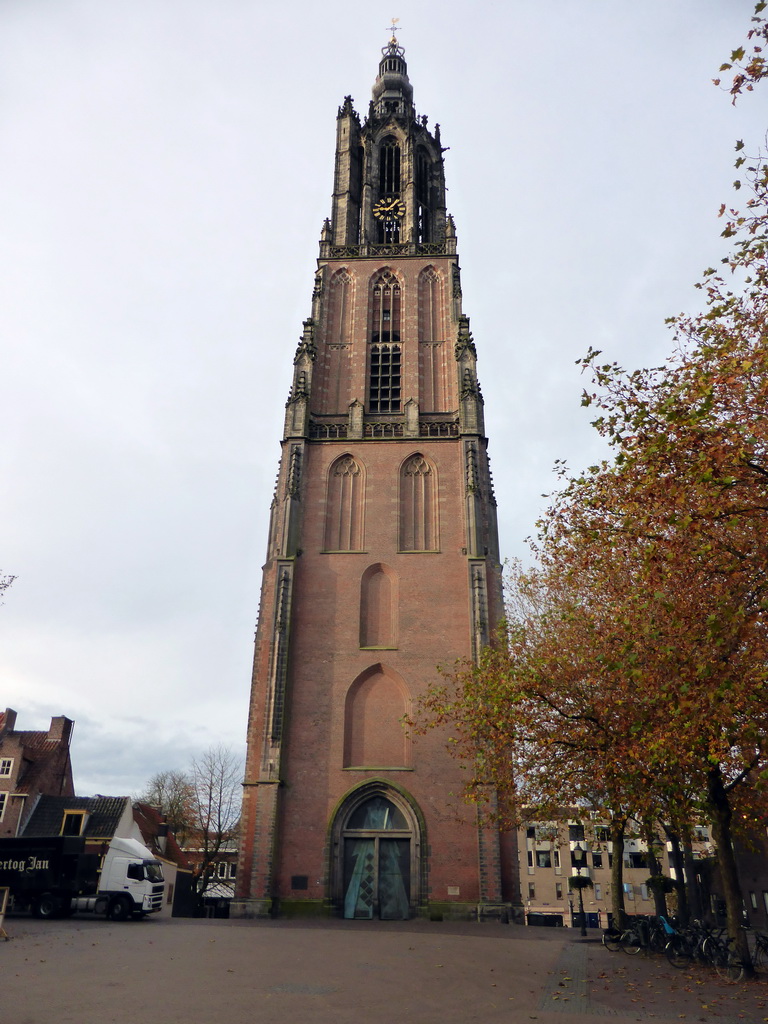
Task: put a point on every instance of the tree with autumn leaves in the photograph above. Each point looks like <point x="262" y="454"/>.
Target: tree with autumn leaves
<point x="632" y="673"/>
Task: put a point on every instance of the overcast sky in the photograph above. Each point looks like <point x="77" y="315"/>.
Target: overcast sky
<point x="165" y="168"/>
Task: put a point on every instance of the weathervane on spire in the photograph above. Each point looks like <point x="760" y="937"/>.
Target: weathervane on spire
<point x="393" y="28"/>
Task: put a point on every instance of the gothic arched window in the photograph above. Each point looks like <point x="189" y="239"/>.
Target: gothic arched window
<point x="389" y="188"/>
<point x="389" y="167"/>
<point x="423" y="176"/>
<point x="345" y="505"/>
<point x="418" y="505"/>
<point x="384" y="362"/>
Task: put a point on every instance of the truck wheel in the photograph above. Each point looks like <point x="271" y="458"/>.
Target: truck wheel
<point x="46" y="907"/>
<point x="120" y="910"/>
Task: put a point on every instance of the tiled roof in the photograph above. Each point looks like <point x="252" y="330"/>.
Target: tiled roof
<point x="104" y="814"/>
<point x="149" y="819"/>
<point x="35" y="740"/>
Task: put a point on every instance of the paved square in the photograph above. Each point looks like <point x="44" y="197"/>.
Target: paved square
<point x="83" y="971"/>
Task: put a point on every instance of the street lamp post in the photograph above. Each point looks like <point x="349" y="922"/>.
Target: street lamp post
<point x="579" y="856"/>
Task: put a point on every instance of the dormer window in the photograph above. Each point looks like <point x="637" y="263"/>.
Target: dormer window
<point x="73" y="823"/>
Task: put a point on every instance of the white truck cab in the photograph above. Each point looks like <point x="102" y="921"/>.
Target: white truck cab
<point x="131" y="883"/>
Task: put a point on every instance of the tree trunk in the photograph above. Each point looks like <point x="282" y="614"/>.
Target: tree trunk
<point x="721" y="811"/>
<point x="696" y="907"/>
<point x="654" y="870"/>
<point x="617" y="872"/>
<point x="682" y="887"/>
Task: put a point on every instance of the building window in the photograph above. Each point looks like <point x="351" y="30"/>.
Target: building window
<point x="384" y="392"/>
<point x="232" y="871"/>
<point x="597" y="860"/>
<point x="3" y="799"/>
<point x="559" y="890"/>
<point x="598" y="891"/>
<point x="753" y="900"/>
<point x="6" y="766"/>
<point x="556" y="858"/>
<point x="389" y="167"/>
<point x="423" y="175"/>
<point x="530" y="858"/>
<point x="531" y="891"/>
<point x="576" y="833"/>
<point x="643" y="892"/>
<point x="543" y="859"/>
<point x="73" y="823"/>
<point x="385" y="309"/>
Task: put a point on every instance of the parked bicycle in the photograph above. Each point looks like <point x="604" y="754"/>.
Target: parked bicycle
<point x="612" y="939"/>
<point x="699" y="943"/>
<point x="760" y="952"/>
<point x="695" y="944"/>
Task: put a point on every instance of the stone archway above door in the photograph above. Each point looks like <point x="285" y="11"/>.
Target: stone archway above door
<point x="377" y="843"/>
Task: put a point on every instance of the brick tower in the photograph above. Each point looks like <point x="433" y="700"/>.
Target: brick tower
<point x="382" y="557"/>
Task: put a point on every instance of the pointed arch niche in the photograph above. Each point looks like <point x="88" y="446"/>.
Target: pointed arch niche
<point x="433" y="389"/>
<point x="335" y="396"/>
<point x="345" y="505"/>
<point x="419" y="519"/>
<point x="375" y="705"/>
<point x="378" y="607"/>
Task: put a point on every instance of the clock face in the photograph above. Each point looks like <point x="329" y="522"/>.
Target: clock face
<point x="386" y="209"/>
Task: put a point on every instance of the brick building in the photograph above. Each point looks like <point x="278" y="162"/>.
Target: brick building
<point x="33" y="763"/>
<point x="382" y="557"/>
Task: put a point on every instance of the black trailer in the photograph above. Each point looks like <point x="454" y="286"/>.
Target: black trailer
<point x="44" y="875"/>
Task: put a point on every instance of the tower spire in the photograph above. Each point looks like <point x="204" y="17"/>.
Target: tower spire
<point x="392" y="92"/>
